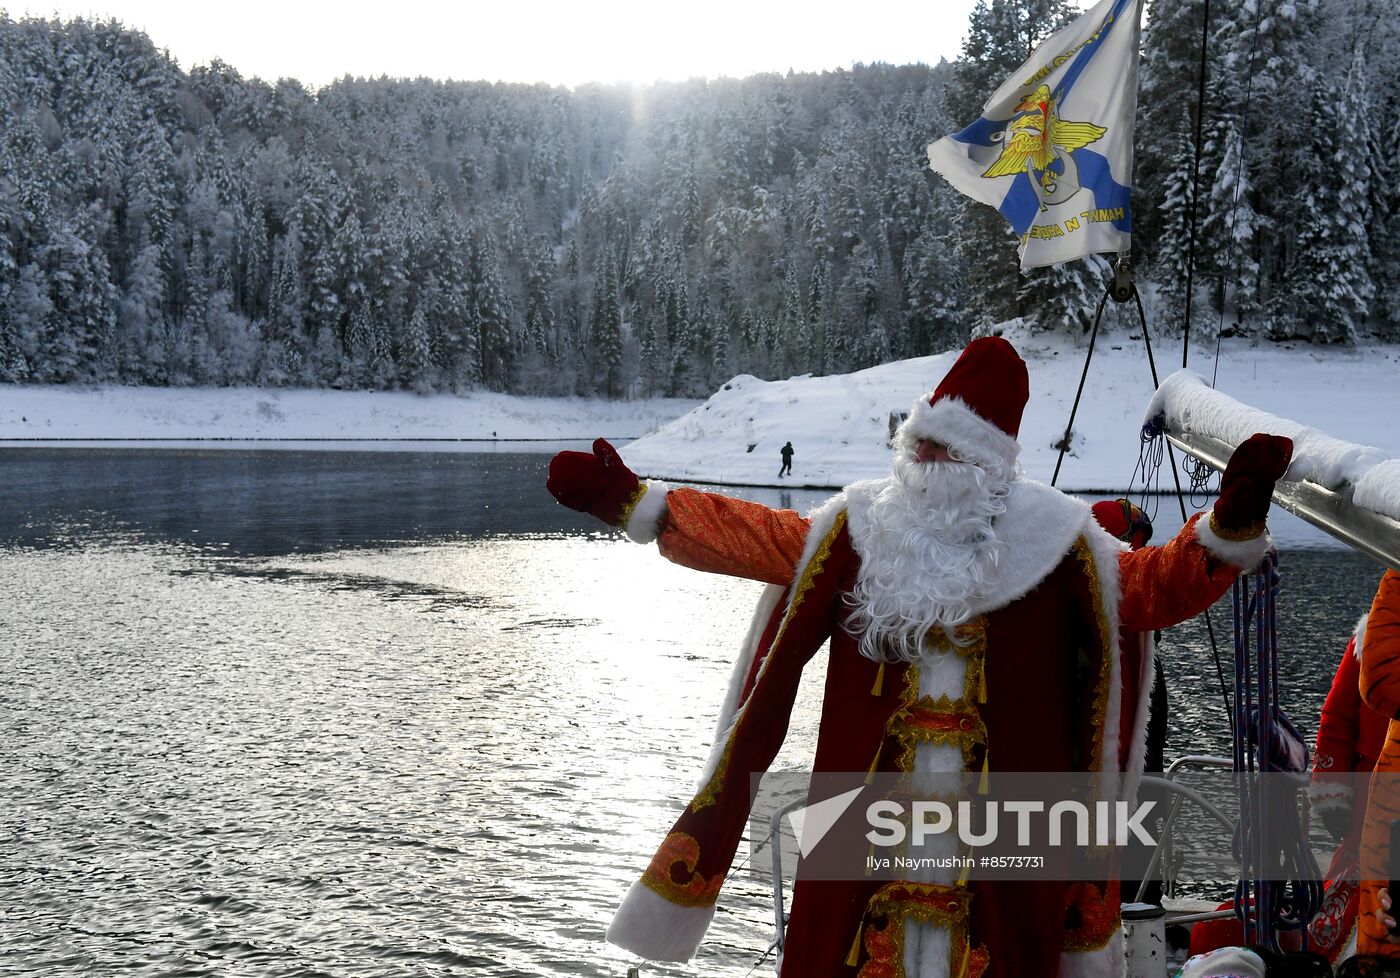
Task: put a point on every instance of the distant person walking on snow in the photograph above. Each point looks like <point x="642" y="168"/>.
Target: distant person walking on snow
<point x="787" y="460"/>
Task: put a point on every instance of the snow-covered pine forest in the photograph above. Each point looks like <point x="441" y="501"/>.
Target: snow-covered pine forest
<point x="169" y="227"/>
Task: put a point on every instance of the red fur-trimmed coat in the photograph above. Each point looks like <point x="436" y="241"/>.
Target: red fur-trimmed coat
<point x="1349" y="739"/>
<point x="1380" y="690"/>
<point x="1039" y="688"/>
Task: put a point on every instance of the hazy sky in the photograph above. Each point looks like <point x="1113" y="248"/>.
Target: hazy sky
<point x="534" y="40"/>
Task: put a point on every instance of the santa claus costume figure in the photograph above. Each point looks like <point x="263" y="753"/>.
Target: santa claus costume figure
<point x="974" y="618"/>
<point x="1138" y="653"/>
<point x="1349" y="740"/>
<point x="1380" y="690"/>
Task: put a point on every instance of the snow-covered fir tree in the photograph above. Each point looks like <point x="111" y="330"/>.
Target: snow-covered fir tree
<point x="1229" y="231"/>
<point x="1330" y="287"/>
<point x="163" y="226"/>
<point x="1172" y="250"/>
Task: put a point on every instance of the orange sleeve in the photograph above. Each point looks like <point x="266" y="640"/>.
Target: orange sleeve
<point x="1380" y="649"/>
<point x="1164" y="586"/>
<point x="722" y="535"/>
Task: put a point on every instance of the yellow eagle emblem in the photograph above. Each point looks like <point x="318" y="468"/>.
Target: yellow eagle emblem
<point x="1034" y="139"/>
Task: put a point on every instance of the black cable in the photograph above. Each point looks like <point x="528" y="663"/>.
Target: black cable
<point x="1149" y="463"/>
<point x="771" y="948"/>
<point x="1145" y="459"/>
<point x="1150" y="452"/>
<point x="1069" y="429"/>
<point x="1210" y="626"/>
<point x="1146" y="339"/>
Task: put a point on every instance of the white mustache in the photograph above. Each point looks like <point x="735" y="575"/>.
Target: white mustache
<point x="930" y="548"/>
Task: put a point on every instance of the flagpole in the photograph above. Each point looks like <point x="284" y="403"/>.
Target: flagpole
<point x="1195" y="186"/>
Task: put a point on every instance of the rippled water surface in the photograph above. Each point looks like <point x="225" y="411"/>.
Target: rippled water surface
<point x="388" y="714"/>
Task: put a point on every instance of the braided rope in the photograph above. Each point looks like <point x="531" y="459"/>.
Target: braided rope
<point x="1277" y="890"/>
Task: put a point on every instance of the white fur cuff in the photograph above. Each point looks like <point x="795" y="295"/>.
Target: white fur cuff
<point x="644" y="525"/>
<point x="1330" y="796"/>
<point x="1244" y="554"/>
<point x="657" y="929"/>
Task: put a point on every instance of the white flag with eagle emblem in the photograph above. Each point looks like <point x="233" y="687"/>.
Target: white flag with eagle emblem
<point x="1053" y="148"/>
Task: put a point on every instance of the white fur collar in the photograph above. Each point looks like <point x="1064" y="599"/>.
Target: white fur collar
<point x="1039" y="527"/>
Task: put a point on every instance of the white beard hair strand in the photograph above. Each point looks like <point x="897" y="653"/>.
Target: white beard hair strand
<point x="931" y="547"/>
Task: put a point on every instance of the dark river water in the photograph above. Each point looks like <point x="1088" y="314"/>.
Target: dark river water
<point x="351" y="714"/>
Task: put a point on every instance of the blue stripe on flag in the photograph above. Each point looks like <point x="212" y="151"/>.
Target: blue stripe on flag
<point x="1082" y="59"/>
<point x="1021" y="204"/>
<point x="980" y="132"/>
<point x="1096" y="177"/>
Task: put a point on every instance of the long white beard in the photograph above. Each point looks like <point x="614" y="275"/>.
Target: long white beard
<point x="929" y="550"/>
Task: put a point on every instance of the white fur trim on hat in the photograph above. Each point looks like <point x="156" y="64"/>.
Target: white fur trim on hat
<point x="956" y="425"/>
<point x="1225" y="962"/>
<point x="644" y="525"/>
<point x="1245" y="554"/>
<point x="657" y="929"/>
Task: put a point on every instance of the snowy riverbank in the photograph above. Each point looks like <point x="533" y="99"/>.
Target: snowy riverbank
<point x="276" y="418"/>
<point x="839" y="425"/>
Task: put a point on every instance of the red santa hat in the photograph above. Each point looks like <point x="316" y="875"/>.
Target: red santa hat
<point x="976" y="408"/>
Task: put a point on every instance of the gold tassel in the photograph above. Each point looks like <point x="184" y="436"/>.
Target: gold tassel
<point x="853" y="958"/>
<point x="965" y="871"/>
<point x="879" y="688"/>
<point x="984" y="785"/>
<point x="982" y="683"/>
<point x="870" y="774"/>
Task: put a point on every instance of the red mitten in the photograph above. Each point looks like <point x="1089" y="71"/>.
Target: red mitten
<point x="1248" y="484"/>
<point x="598" y="483"/>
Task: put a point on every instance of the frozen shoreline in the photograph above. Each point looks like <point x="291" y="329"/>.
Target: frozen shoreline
<point x="839" y="425"/>
<point x="280" y="419"/>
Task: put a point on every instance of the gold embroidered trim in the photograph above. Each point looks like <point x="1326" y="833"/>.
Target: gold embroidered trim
<point x="926" y="903"/>
<point x="630" y="506"/>
<point x="1250" y="532"/>
<point x="920" y="719"/>
<point x="940" y="721"/>
<point x="680" y="848"/>
<point x="1108" y="649"/>
<point x="1099" y="915"/>
<point x="710" y="793"/>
